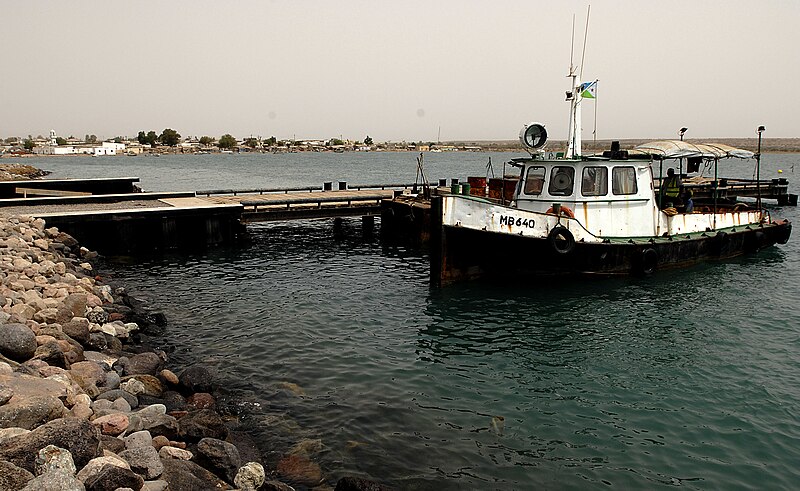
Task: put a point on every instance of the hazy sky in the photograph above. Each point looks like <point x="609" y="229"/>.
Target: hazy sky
<point x="396" y="70"/>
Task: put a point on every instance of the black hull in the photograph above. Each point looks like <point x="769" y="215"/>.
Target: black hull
<point x="459" y="253"/>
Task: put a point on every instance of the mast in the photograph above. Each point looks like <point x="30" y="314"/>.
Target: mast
<point x="574" y="141"/>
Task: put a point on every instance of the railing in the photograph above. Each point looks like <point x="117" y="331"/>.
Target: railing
<point x="314" y="200"/>
<point x="328" y="186"/>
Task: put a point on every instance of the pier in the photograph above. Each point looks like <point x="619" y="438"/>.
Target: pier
<point x="114" y="217"/>
<point x="103" y="219"/>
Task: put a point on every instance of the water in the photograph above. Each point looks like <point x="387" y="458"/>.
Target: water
<point x="687" y="378"/>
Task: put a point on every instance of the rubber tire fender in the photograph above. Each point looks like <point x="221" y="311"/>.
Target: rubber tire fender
<point x="649" y="261"/>
<point x="562" y="246"/>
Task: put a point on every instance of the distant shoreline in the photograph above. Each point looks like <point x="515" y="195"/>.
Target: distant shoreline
<point x="768" y="145"/>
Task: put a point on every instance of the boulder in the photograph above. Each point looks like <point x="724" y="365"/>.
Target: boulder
<point x="13" y="477"/>
<point x="52" y="354"/>
<point x="144" y="363"/>
<point x="196" y="378"/>
<point x="77" y="328"/>
<point x="250" y="477"/>
<point x="158" y="485"/>
<point x="6" y="393"/>
<point x="151" y="386"/>
<point x="30" y="412"/>
<point x="114" y="394"/>
<point x="111" y="477"/>
<point x="89" y="372"/>
<point x="17" y="342"/>
<point x="349" y="483"/>
<point x="52" y="458"/>
<point x="299" y="469"/>
<point x="161" y="425"/>
<point x="55" y="481"/>
<point x="95" y="465"/>
<point x="169" y="377"/>
<point x="112" y="424"/>
<point x="204" y="423"/>
<point x="79" y="437"/>
<point x="138" y="439"/>
<point x="220" y="457"/>
<point x="174" y="401"/>
<point x="200" y="400"/>
<point x="184" y="475"/>
<point x="143" y="461"/>
<point x="76" y="303"/>
<point x="167" y="452"/>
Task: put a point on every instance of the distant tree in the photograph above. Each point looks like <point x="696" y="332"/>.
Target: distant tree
<point x="28" y="144"/>
<point x="368" y="140"/>
<point x="12" y="139"/>
<point x="227" y="141"/>
<point x="90" y="139"/>
<point x="118" y="139"/>
<point x="271" y="141"/>
<point x="206" y="140"/>
<point x="60" y="141"/>
<point x="149" y="138"/>
<point x="251" y="142"/>
<point x="335" y="142"/>
<point x="169" y="137"/>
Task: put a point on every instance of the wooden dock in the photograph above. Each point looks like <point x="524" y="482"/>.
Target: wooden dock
<point x="135" y="222"/>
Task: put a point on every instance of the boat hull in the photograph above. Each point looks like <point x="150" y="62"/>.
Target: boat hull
<point x="461" y="253"/>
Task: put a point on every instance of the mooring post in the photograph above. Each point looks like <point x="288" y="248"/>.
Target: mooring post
<point x="367" y="224"/>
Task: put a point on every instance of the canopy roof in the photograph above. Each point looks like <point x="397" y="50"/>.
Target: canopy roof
<point x="676" y="149"/>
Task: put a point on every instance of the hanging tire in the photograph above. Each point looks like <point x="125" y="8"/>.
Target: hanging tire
<point x="561" y="240"/>
<point x="783" y="235"/>
<point x="649" y="261"/>
<point x="721" y="241"/>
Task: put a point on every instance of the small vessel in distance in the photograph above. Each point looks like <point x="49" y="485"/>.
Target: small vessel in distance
<point x="595" y="215"/>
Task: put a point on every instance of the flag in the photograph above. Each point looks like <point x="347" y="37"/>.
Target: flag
<point x="589" y="90"/>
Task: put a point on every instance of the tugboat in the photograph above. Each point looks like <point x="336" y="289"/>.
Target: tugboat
<point x="595" y="215"/>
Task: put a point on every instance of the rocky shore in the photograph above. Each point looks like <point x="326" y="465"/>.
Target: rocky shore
<point x="85" y="405"/>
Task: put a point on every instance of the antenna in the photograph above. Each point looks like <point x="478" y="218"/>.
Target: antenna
<point x="572" y="47"/>
<point x="585" y="35"/>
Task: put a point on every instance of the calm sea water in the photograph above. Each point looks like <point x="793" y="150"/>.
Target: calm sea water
<point x="687" y="378"/>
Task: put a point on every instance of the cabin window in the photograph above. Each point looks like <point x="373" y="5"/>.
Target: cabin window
<point x="534" y="181"/>
<point x="561" y="181"/>
<point x="595" y="181"/>
<point x="623" y="180"/>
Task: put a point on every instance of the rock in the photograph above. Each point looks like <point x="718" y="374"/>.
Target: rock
<point x="200" y="400"/>
<point x="143" y="461"/>
<point x="77" y="328"/>
<point x="55" y="481"/>
<point x="160" y="441"/>
<point x="112" y="380"/>
<point x="111" y="477"/>
<point x="52" y="354"/>
<point x="168" y="452"/>
<point x="6" y="393"/>
<point x="152" y="386"/>
<point x="97" y="316"/>
<point x="13" y="477"/>
<point x="79" y="437"/>
<point x="112" y="444"/>
<point x="300" y="470"/>
<point x="204" y="423"/>
<point x="306" y="448"/>
<point x="97" y="341"/>
<point x="76" y="303"/>
<point x="89" y="371"/>
<point x="7" y="433"/>
<point x="173" y="401"/>
<point x="183" y="475"/>
<point x="17" y="342"/>
<point x="30" y="412"/>
<point x="169" y="377"/>
<point x="144" y="363"/>
<point x="113" y="395"/>
<point x="161" y="425"/>
<point x="155" y="485"/>
<point x="138" y="439"/>
<point x="83" y="411"/>
<point x="132" y="386"/>
<point x="357" y="484"/>
<point x="196" y="379"/>
<point x="121" y="405"/>
<point x="250" y="477"/>
<point x="220" y="457"/>
<point x="276" y="486"/>
<point x="52" y="458"/>
<point x="95" y="465"/>
<point x="112" y="424"/>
